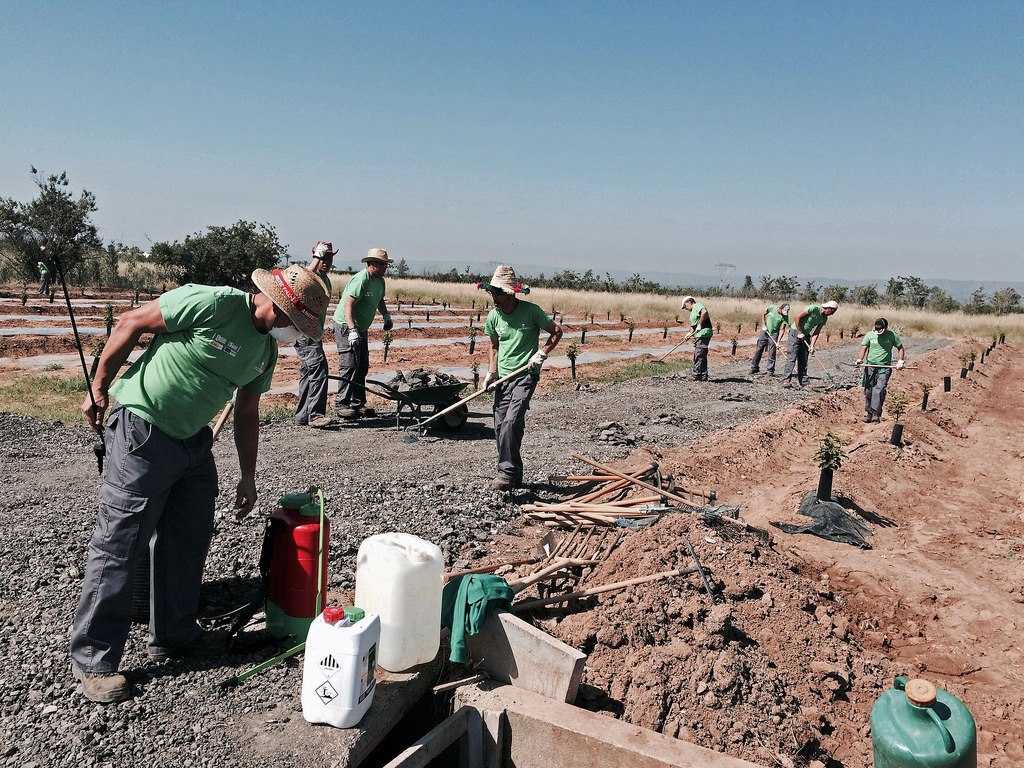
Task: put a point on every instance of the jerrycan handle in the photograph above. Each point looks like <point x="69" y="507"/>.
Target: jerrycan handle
<point x="900" y="684"/>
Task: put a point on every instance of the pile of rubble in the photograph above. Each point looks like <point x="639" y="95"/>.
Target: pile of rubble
<point x="614" y="433"/>
<point x="420" y="378"/>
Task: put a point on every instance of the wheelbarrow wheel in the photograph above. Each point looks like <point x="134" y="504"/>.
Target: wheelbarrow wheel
<point x="453" y="420"/>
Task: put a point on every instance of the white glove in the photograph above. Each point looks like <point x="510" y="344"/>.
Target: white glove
<point x="800" y="335"/>
<point x="353" y="336"/>
<point x="490" y="378"/>
<point x="388" y="322"/>
<point x="900" y="364"/>
<point x="858" y="361"/>
<point x="539" y="357"/>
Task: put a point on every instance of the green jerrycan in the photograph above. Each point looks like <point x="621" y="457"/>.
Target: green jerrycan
<point x="916" y="725"/>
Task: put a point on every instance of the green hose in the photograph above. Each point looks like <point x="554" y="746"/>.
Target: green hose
<point x="320" y="558"/>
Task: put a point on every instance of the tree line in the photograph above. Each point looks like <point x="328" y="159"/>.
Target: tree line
<point x="57" y="225"/>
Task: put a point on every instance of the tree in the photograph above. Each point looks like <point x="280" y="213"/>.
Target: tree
<point x="834" y="292"/>
<point x="915" y="290"/>
<point x="810" y="291"/>
<point x="223" y="255"/>
<point x="894" y="292"/>
<point x="1005" y="301"/>
<point x="940" y="301"/>
<point x="784" y="286"/>
<point x="978" y="304"/>
<point x="54" y="224"/>
<point x="748" y="286"/>
<point x="866" y="295"/>
<point x="402" y="268"/>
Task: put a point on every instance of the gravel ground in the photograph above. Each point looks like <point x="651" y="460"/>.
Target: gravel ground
<point x="374" y="482"/>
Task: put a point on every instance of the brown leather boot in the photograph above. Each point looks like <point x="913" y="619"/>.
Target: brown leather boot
<point x="104" y="687"/>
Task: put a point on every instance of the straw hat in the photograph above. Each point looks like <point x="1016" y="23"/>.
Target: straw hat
<point x="323" y="249"/>
<point x="377" y="254"/>
<point x="687" y="299"/>
<point x="299" y="294"/>
<point x="505" y="279"/>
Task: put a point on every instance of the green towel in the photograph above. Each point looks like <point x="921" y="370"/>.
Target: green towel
<point x="465" y="603"/>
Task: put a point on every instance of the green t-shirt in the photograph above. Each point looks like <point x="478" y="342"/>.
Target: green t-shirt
<point x="189" y="372"/>
<point x="880" y="346"/>
<point x="43" y="269"/>
<point x="815" y="319"/>
<point x="775" y="319"/>
<point x="367" y="291"/>
<point x="704" y="333"/>
<point x="518" y="334"/>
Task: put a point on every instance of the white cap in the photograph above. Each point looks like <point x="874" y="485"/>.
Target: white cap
<point x="688" y="299"/>
<point x="830" y="305"/>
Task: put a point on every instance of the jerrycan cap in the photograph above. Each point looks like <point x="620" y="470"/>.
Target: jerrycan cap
<point x="295" y="500"/>
<point x="354" y="613"/>
<point x="333" y="614"/>
<point x="920" y="693"/>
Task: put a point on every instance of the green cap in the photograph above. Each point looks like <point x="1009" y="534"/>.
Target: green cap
<point x="295" y="500"/>
<point x="354" y="614"/>
<point x="312" y="509"/>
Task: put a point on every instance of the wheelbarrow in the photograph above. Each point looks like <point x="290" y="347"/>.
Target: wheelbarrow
<point x="423" y="402"/>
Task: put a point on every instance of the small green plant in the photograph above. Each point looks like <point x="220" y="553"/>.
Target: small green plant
<point x="24" y="296"/>
<point x="734" y="341"/>
<point x="475" y="370"/>
<point x="572" y="353"/>
<point x="965" y="359"/>
<point x="830" y="454"/>
<point x="108" y="317"/>
<point x="388" y="338"/>
<point x="896" y="405"/>
<point x="472" y="340"/>
<point x="664" y="332"/>
<point x="973" y="356"/>
<point x="630" y="327"/>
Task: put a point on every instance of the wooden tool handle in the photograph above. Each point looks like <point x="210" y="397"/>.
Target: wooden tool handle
<point x="528" y="604"/>
<point x="475" y="395"/>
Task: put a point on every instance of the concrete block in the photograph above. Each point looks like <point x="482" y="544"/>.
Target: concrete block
<point x="512" y="651"/>
<point x="541" y="733"/>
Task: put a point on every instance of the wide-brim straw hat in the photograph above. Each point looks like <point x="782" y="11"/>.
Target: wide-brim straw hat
<point x="377" y="254"/>
<point x="505" y="279"/>
<point x="299" y="293"/>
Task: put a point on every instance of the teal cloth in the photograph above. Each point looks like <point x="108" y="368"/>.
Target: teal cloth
<point x="465" y="604"/>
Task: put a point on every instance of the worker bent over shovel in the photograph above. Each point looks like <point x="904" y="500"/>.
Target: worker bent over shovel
<point x="803" y="335"/>
<point x="514" y="327"/>
<point x="160" y="481"/>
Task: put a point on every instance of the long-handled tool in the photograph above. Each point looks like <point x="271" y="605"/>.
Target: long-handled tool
<point x="223" y="418"/>
<point x="476" y="394"/>
<point x="810" y="353"/>
<point x="873" y="365"/>
<point x="686" y="338"/>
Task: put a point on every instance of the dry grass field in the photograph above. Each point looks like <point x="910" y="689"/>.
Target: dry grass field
<point x="644" y="307"/>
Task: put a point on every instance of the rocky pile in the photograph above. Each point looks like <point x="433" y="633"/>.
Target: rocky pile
<point x="613" y="433"/>
<point x="421" y="378"/>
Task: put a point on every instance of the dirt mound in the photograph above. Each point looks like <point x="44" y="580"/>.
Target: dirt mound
<point x="767" y="671"/>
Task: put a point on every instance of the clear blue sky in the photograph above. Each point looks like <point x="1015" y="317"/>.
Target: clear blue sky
<point x="847" y="139"/>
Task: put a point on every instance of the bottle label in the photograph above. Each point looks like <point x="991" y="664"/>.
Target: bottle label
<point x="367" y="668"/>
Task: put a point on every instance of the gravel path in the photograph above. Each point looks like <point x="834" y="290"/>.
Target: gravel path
<point x="374" y="481"/>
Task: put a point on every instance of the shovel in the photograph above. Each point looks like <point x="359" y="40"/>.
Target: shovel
<point x="686" y="338"/>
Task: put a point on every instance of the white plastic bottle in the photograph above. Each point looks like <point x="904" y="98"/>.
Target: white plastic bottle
<point x="398" y="577"/>
<point x="338" y="669"/>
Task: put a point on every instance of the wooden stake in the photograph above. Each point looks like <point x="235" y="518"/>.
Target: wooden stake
<point x="528" y="604"/>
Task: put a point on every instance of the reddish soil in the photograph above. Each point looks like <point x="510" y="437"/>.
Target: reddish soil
<point x="807" y="633"/>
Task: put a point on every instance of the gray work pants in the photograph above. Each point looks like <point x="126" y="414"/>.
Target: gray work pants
<point x="511" y="402"/>
<point x="796" y="357"/>
<point x="765" y="343"/>
<point x="700" y="359"/>
<point x="159" y="492"/>
<point x="875" y="381"/>
<point x="354" y="364"/>
<point x="312" y="380"/>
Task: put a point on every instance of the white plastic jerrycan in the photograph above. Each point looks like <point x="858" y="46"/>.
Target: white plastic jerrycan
<point x="398" y="577"/>
<point x="338" y="671"/>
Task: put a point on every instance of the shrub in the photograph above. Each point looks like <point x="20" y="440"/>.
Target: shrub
<point x="896" y="404"/>
<point x="830" y="454"/>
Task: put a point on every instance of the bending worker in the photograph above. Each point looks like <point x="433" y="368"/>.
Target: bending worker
<point x="776" y="322"/>
<point x="159" y="480"/>
<point x="312" y="360"/>
<point x="701" y="332"/>
<point x="514" y="327"/>
<point x="877" y="347"/>
<point x="44" y="278"/>
<point x="362" y="298"/>
<point x="802" y="336"/>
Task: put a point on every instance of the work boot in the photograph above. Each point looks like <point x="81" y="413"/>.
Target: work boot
<point x="366" y="411"/>
<point x="502" y="483"/>
<point x="350" y="414"/>
<point x="103" y="687"/>
<point x="158" y="652"/>
<point x="868" y="418"/>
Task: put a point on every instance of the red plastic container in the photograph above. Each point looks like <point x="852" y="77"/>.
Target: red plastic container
<point x="291" y="576"/>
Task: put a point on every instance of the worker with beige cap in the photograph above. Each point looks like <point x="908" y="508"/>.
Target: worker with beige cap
<point x="159" y="480"/>
<point x="514" y="327"/>
<point x="701" y="332"/>
<point x="313" y="369"/>
<point x="802" y="336"/>
<point x="362" y="298"/>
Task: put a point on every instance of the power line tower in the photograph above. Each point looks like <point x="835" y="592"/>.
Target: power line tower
<point x="725" y="273"/>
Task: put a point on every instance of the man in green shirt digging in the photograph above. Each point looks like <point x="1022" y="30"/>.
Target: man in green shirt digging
<point x="776" y="322"/>
<point x="360" y="301"/>
<point x="159" y="480"/>
<point x="802" y="336"/>
<point x="876" y="357"/>
<point x="700" y="323"/>
<point x="514" y="327"/>
<point x="44" y="278"/>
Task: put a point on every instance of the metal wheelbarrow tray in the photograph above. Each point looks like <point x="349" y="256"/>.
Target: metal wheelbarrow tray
<point x="424" y="402"/>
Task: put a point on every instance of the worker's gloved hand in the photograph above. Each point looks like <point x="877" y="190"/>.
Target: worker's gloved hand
<point x="353" y="336"/>
<point x="388" y="322"/>
<point x="900" y="364"/>
<point x="490" y="378"/>
<point x="538" y="358"/>
<point x="800" y="336"/>
<point x="858" y="361"/>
